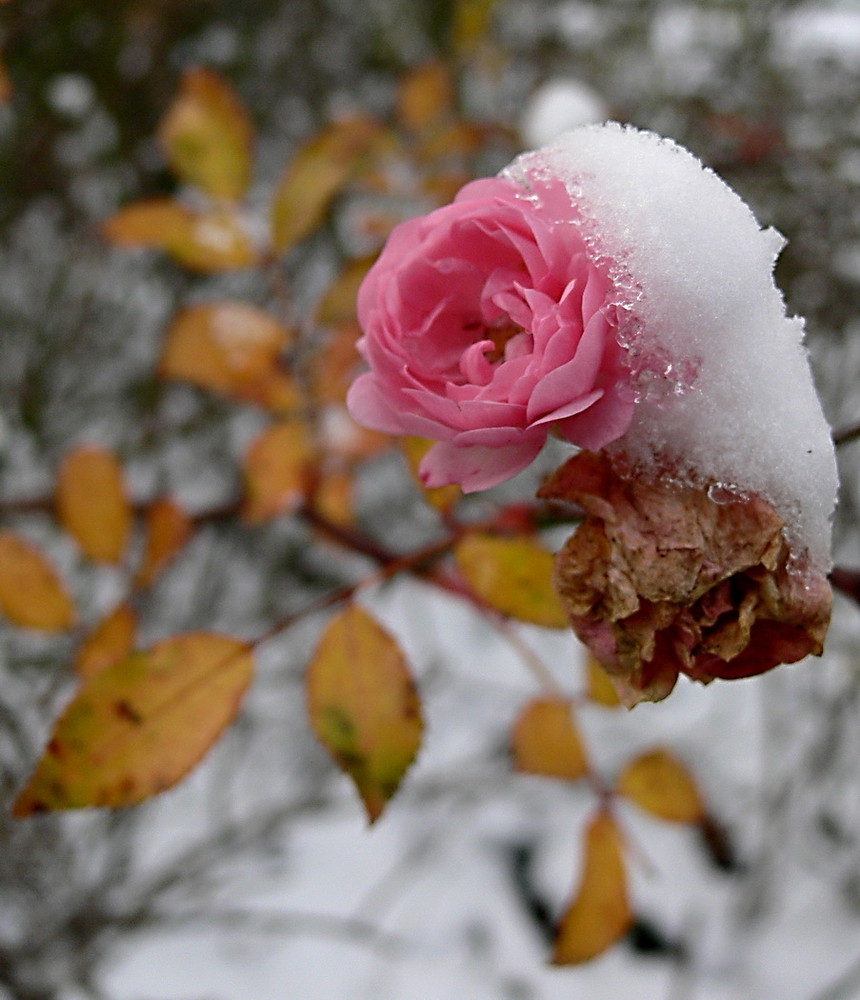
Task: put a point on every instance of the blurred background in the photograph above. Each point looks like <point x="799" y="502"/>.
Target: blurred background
<point x="256" y="878"/>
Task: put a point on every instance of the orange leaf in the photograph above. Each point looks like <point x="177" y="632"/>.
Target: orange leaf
<point x="168" y="528"/>
<point x="335" y="365"/>
<point x="333" y="497"/>
<point x="452" y="142"/>
<point x="513" y="576"/>
<point x="546" y="741"/>
<point x="5" y="84"/>
<point x="91" y="503"/>
<point x="363" y="705"/>
<point x="660" y="784"/>
<point x="598" y="686"/>
<point x="31" y="594"/>
<point x="443" y="498"/>
<point x="206" y="136"/>
<point x="209" y="241"/>
<point x="425" y="95"/>
<point x="138" y="726"/>
<point x="600" y="912"/>
<point x="317" y="173"/>
<point x="338" y="303"/>
<point x="276" y="471"/>
<point x="109" y="642"/>
<point x="228" y="347"/>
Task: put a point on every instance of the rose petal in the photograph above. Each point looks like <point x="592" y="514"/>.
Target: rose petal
<point x="476" y="467"/>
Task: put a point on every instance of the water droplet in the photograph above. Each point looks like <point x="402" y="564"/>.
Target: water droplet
<point x="725" y="493"/>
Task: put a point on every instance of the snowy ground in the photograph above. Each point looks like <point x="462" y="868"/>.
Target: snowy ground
<point x="432" y="881"/>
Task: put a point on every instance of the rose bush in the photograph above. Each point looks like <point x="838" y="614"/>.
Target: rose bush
<point x="487" y="326"/>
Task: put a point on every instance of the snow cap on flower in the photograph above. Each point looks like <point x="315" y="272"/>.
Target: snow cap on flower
<point x="612" y="290"/>
<point x="724" y="394"/>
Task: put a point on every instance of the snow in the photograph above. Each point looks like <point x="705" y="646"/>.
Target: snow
<point x="558" y="105"/>
<point x="724" y="389"/>
<point x="816" y="33"/>
<point x="430" y="874"/>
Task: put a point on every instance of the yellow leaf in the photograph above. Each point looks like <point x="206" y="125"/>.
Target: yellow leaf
<point x="363" y="705"/>
<point x="453" y="142"/>
<point x="206" y="136"/>
<point x="338" y="303"/>
<point x="168" y="528"/>
<point x="109" y="642"/>
<point x="335" y="365"/>
<point x="442" y="498"/>
<point x="209" y="241"/>
<point x="227" y="347"/>
<point x="334" y="498"/>
<point x="660" y="784"/>
<point x="471" y="21"/>
<point x="277" y="471"/>
<point x="138" y="726"/>
<point x="546" y="741"/>
<point x="31" y="594"/>
<point x="598" y="686"/>
<point x="600" y="912"/>
<point x="91" y="503"/>
<point x="425" y="96"/>
<point x="513" y="576"/>
<point x="316" y="174"/>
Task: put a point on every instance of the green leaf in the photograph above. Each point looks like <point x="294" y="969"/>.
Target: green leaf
<point x="363" y="705"/>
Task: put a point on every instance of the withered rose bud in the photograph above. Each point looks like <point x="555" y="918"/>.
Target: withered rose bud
<point x="663" y="577"/>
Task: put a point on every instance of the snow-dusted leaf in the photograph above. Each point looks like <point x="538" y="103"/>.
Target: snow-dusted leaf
<point x="545" y="740"/>
<point x="661" y="785"/>
<point x="599" y="913"/>
<point x="205" y="241"/>
<point x="228" y="347"/>
<point x="92" y="504"/>
<point x="31" y="593"/>
<point x="206" y="135"/>
<point x="316" y="174"/>
<point x="136" y="727"/>
<point x="513" y="576"/>
<point x="277" y="471"/>
<point x="110" y="641"/>
<point x="363" y="705"/>
<point x="168" y="528"/>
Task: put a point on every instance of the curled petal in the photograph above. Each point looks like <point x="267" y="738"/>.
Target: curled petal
<point x="475" y="467"/>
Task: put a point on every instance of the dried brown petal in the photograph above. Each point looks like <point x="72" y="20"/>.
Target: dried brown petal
<point x="662" y="579"/>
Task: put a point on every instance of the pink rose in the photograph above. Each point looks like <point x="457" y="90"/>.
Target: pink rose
<point x="486" y="326"/>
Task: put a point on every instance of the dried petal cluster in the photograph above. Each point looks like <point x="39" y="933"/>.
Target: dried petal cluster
<point x="663" y="578"/>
